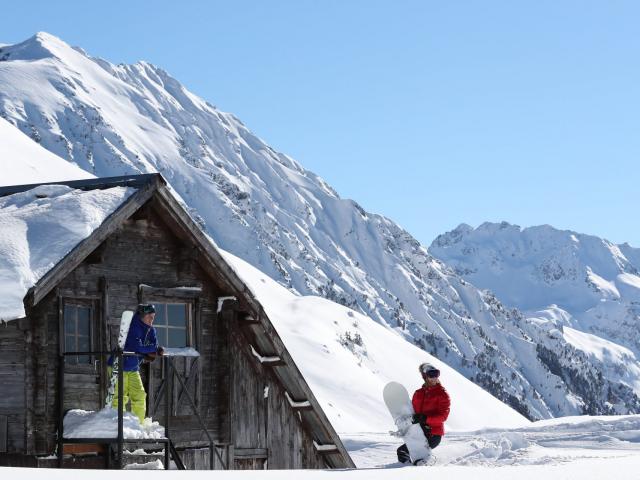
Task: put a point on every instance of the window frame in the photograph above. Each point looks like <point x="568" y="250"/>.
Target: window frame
<point x="78" y="303"/>
<point x="190" y="339"/>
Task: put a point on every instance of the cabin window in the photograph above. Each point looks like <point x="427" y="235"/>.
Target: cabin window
<point x="77" y="333"/>
<point x="172" y="324"/>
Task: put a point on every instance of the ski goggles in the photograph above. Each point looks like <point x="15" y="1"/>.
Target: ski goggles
<point x="431" y="373"/>
<point x="146" y="308"/>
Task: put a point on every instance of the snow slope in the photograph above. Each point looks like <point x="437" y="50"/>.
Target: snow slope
<point x="23" y="161"/>
<point x="347" y="358"/>
<point x="265" y="208"/>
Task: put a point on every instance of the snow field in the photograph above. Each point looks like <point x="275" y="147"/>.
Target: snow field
<point x="23" y="161"/>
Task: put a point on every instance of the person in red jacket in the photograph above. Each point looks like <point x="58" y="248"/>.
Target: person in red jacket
<point x="431" y="404"/>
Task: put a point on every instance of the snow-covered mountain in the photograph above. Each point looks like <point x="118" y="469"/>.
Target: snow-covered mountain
<point x="583" y="289"/>
<point x="265" y="208"/>
<point x="22" y="161"/>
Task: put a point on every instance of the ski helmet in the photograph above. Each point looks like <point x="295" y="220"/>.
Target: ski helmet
<point x="429" y="370"/>
<point x="145" y="308"/>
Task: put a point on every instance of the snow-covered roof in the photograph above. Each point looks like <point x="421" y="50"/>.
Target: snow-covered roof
<point x="39" y="227"/>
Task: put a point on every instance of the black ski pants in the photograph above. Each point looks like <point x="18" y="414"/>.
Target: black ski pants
<point x="403" y="451"/>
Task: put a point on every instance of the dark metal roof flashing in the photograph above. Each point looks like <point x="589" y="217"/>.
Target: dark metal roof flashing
<point x="135" y="181"/>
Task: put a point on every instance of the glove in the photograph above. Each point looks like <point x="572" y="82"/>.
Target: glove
<point x="161" y="351"/>
<point x="149" y="357"/>
<point x="426" y="429"/>
<point x="420" y="418"/>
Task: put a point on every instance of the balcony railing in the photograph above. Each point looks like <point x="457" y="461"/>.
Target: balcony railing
<point x="170" y="452"/>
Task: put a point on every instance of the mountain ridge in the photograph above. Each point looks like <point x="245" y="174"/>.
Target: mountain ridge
<point x="264" y="207"/>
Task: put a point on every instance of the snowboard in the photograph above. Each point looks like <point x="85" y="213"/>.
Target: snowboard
<point x="125" y="323"/>
<point x="399" y="404"/>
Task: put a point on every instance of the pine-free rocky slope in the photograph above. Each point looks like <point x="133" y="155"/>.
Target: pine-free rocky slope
<point x="582" y="290"/>
<point x="267" y="209"/>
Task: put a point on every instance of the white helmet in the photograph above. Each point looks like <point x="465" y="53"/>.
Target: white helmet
<point x="428" y="367"/>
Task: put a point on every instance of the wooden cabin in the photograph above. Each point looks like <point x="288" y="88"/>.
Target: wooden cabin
<point x="250" y="394"/>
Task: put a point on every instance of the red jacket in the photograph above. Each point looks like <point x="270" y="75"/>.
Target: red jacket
<point x="434" y="402"/>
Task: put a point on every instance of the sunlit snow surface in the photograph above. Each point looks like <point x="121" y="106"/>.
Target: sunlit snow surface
<point x="39" y="227"/>
<point x="547" y="442"/>
<point x="23" y="161"/>
<point x="104" y="424"/>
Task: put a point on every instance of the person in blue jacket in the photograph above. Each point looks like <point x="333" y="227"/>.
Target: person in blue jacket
<point x="141" y="339"/>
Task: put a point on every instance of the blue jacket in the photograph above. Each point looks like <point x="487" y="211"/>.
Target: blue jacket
<point x="141" y="339"/>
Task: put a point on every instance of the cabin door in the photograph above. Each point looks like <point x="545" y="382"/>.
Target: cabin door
<point x="80" y="332"/>
<point x="249" y="408"/>
<point x="182" y="379"/>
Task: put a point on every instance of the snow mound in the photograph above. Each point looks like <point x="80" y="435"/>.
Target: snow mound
<point x="104" y="424"/>
<point x="23" y="161"/>
<point x="496" y="449"/>
<point x="155" y="465"/>
<point x="39" y="227"/>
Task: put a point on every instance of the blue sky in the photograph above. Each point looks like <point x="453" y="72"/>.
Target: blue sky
<point x="431" y="113"/>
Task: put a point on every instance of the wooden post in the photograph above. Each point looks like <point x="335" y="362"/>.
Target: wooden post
<point x="120" y="408"/>
<point x="61" y="359"/>
<point x="167" y="400"/>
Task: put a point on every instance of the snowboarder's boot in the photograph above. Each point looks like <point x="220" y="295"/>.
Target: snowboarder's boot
<point x="426" y="461"/>
<point x="403" y="454"/>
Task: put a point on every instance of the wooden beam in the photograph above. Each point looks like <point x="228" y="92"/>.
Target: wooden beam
<point x="325" y="448"/>
<point x="267" y="360"/>
<point x="4" y="433"/>
<point x="250" y="453"/>
<point x="80" y="448"/>
<point x="298" y="404"/>
<point x="210" y="251"/>
<point x="248" y="318"/>
<point x="177" y="292"/>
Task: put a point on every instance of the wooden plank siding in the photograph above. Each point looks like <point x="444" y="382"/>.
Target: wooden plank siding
<point x="12" y="379"/>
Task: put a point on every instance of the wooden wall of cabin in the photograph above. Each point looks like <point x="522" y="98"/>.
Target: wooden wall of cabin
<point x="264" y="425"/>
<point x="12" y="387"/>
<point x="142" y="251"/>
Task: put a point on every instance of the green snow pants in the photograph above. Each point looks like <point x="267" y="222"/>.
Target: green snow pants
<point x="132" y="389"/>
